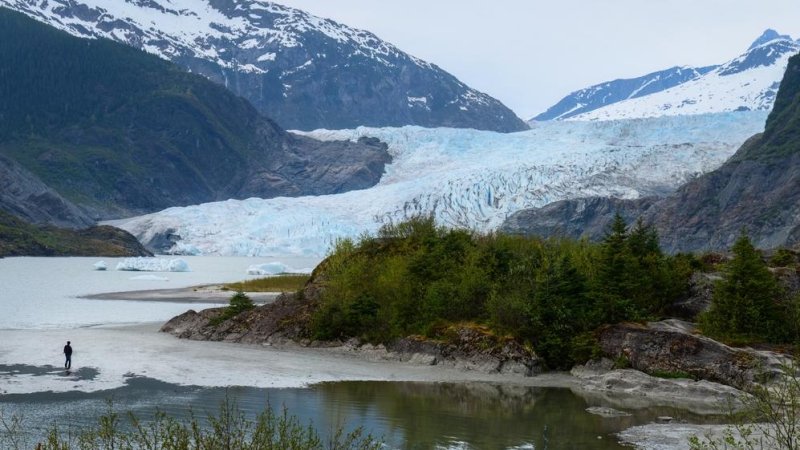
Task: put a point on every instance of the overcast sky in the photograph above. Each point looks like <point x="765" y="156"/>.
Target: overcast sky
<point x="530" y="54"/>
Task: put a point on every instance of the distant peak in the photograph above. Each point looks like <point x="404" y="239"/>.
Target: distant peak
<point x="767" y="36"/>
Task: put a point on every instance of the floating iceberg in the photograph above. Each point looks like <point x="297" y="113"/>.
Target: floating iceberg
<point x="100" y="265"/>
<point x="273" y="268"/>
<point x="153" y="265"/>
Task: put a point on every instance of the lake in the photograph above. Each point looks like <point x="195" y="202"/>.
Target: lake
<point x="119" y="356"/>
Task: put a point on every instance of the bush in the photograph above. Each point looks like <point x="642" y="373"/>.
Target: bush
<point x="239" y="303"/>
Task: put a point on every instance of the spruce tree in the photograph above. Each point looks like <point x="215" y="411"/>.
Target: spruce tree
<point x="745" y="302"/>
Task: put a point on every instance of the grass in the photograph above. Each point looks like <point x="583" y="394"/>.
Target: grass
<point x="279" y="283"/>
<point x="228" y="429"/>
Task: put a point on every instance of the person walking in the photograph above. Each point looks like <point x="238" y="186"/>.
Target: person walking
<point x="68" y="354"/>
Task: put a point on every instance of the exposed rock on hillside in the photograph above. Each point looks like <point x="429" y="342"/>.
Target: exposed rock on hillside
<point x="24" y="195"/>
<point x="18" y="238"/>
<point x="125" y="133"/>
<point x="303" y="71"/>
<point x="670" y="348"/>
<point x="583" y="217"/>
<point x="758" y="190"/>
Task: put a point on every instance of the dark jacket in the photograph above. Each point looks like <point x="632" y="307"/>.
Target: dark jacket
<point x="67" y="350"/>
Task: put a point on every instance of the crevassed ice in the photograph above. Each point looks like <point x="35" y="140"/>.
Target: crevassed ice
<point x="464" y="178"/>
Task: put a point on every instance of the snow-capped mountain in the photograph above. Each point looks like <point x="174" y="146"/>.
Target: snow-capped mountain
<point x="464" y="178"/>
<point x="303" y="71"/>
<point x="748" y="82"/>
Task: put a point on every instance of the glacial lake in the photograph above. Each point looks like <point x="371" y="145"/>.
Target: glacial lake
<point x="141" y="371"/>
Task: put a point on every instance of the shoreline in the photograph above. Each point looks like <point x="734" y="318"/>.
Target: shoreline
<point x="622" y="388"/>
<point x="211" y="294"/>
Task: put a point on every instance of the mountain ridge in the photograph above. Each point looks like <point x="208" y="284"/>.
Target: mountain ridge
<point x="756" y="191"/>
<point x="119" y="132"/>
<point x="747" y="82"/>
<point x="303" y="71"/>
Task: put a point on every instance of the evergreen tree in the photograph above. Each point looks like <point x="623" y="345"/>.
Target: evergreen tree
<point x="558" y="312"/>
<point x="611" y="285"/>
<point x="745" y="303"/>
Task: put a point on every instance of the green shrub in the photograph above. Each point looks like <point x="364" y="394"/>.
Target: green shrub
<point x="239" y="303"/>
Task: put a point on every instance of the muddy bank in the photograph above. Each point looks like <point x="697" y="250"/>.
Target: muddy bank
<point x="209" y="294"/>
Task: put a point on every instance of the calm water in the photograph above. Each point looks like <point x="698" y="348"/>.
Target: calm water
<point x="40" y="296"/>
<point x="407" y="415"/>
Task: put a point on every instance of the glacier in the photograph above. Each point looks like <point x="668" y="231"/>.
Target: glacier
<point x="464" y="178"/>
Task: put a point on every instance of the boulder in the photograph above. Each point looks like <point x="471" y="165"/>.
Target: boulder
<point x="672" y="348"/>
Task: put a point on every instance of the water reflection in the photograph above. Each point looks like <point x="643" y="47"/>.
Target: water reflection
<point x="407" y="415"/>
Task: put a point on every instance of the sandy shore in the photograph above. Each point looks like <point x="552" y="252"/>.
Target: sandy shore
<point x="292" y="365"/>
<point x="209" y="294"/>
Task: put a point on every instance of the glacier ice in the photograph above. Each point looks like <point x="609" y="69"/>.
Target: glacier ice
<point x="273" y="268"/>
<point x="141" y="264"/>
<point x="464" y="178"/>
<point x="100" y="265"/>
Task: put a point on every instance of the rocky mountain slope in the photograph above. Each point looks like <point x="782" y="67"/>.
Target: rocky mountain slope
<point x="465" y="178"/>
<point x="747" y="82"/>
<point x="19" y="238"/>
<point x="303" y="71"/>
<point x="756" y="190"/>
<point x="24" y="195"/>
<point x="119" y="132"/>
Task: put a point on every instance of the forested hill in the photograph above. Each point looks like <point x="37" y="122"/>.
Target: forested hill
<point x="120" y="132"/>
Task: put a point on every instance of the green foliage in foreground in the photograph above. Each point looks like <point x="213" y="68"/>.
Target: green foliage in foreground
<point x="279" y="283"/>
<point x="553" y="294"/>
<point x="767" y="418"/>
<point x="229" y="429"/>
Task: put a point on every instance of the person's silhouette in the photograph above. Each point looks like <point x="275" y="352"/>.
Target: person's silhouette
<point x="68" y="355"/>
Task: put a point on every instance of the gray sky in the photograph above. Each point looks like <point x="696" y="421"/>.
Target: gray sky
<point x="529" y="54"/>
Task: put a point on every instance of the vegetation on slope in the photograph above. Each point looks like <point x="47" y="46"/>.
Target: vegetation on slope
<point x="18" y="238"/>
<point x="415" y="278"/>
<point x="113" y="127"/>
<point x="418" y="279"/>
<point x="278" y="283"/>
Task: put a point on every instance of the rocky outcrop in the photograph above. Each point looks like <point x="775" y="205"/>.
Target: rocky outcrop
<point x="26" y="196"/>
<point x="757" y="190"/>
<point x="701" y="290"/>
<point x="19" y="238"/>
<point x="285" y="322"/>
<point x="670" y="348"/>
<point x="579" y="218"/>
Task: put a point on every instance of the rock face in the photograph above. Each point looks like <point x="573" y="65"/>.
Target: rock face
<point x="127" y="133"/>
<point x="670" y="348"/>
<point x="758" y="189"/>
<point x="303" y="71"/>
<point x="583" y="217"/>
<point x="26" y="196"/>
<point x="286" y="321"/>
<point x="19" y="238"/>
